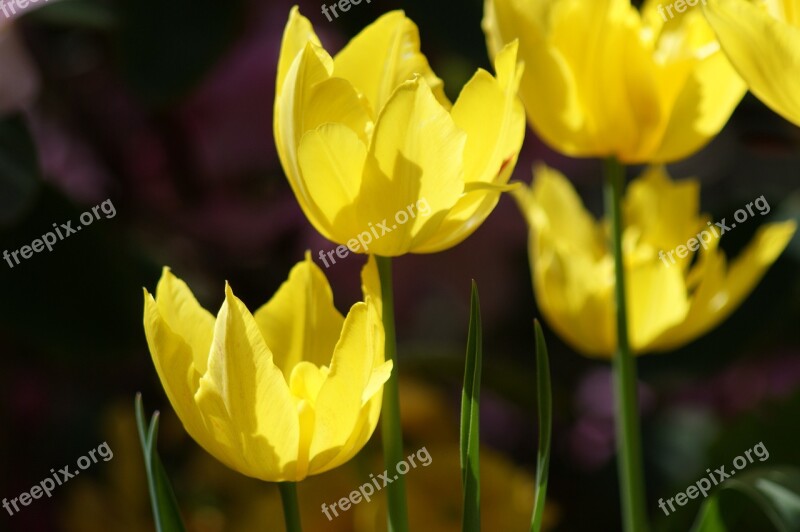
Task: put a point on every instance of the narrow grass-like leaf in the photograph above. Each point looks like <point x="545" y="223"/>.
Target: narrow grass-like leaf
<point x="545" y="406"/>
<point x="470" y="426"/>
<point x="166" y="515"/>
<point x="765" y="499"/>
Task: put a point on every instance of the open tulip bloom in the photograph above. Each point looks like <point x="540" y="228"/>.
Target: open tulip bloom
<point x="367" y="133"/>
<point x="762" y="41"/>
<point x="290" y="391"/>
<point x="604" y="79"/>
<point x="670" y="304"/>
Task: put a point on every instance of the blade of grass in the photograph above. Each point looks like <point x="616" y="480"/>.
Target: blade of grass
<point x="545" y="406"/>
<point x="166" y="515"/>
<point x="470" y="426"/>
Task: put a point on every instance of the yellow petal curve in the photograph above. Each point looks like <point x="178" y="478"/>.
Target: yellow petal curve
<point x="764" y="50"/>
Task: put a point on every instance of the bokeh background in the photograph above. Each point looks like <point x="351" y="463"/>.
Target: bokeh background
<point x="165" y="108"/>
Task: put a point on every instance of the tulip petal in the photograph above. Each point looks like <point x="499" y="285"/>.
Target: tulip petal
<point x="663" y="211"/>
<point x="604" y="79"/>
<point x="311" y="67"/>
<point x="297" y="34"/>
<point x="416" y="155"/>
<point x="357" y="357"/>
<point x="572" y="276"/>
<point x="332" y="159"/>
<point x="553" y="205"/>
<point x="574" y="292"/>
<point x="184" y="315"/>
<point x="764" y="50"/>
<point x="489" y="111"/>
<point x="720" y="293"/>
<point x="300" y="322"/>
<point x="371" y="283"/>
<point x="701" y="110"/>
<point x="245" y="395"/>
<point x="656" y="299"/>
<point x="336" y="100"/>
<point x="173" y="358"/>
<point x="385" y="54"/>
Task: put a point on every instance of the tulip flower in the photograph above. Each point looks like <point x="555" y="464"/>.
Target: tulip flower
<point x="763" y="43"/>
<point x="603" y="79"/>
<point x="669" y="303"/>
<point x="368" y="138"/>
<point x="290" y="391"/>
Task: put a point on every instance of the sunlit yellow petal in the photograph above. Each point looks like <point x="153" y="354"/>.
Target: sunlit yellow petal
<point x="493" y="118"/>
<point x="339" y="403"/>
<point x="764" y="50"/>
<point x="173" y="358"/>
<point x="416" y="154"/>
<point x="603" y="79"/>
<point x="371" y="283"/>
<point x="309" y="68"/>
<point x="184" y="315"/>
<point x="300" y="322"/>
<point x="332" y="160"/>
<point x="657" y="300"/>
<point x="385" y="54"/>
<point x="722" y="292"/>
<point x="247" y="393"/>
<point x="298" y="32"/>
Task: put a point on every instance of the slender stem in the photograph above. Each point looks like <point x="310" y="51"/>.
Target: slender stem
<point x="291" y="510"/>
<point x="629" y="447"/>
<point x="391" y="432"/>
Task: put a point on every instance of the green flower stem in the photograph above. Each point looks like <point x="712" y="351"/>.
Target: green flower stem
<point x="291" y="511"/>
<point x="391" y="432"/>
<point x="629" y="447"/>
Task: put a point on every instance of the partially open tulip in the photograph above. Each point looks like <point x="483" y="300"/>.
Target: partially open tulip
<point x="290" y="391"/>
<point x="762" y="41"/>
<point x="379" y="159"/>
<point x="672" y="295"/>
<point x="604" y="79"/>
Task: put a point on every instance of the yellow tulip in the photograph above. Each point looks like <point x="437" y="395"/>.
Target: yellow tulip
<point x="290" y="391"/>
<point x="604" y="79"/>
<point x="368" y="136"/>
<point x="763" y="43"/>
<point x="669" y="303"/>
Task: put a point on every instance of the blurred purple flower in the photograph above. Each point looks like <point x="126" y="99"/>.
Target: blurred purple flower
<point x="591" y="439"/>
<point x="745" y="385"/>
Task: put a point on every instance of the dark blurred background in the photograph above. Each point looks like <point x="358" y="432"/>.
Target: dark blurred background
<point x="165" y="108"/>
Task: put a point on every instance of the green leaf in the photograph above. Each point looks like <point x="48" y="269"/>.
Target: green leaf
<point x="470" y="426"/>
<point x="763" y="499"/>
<point x="545" y="405"/>
<point x="19" y="168"/>
<point x="166" y="515"/>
